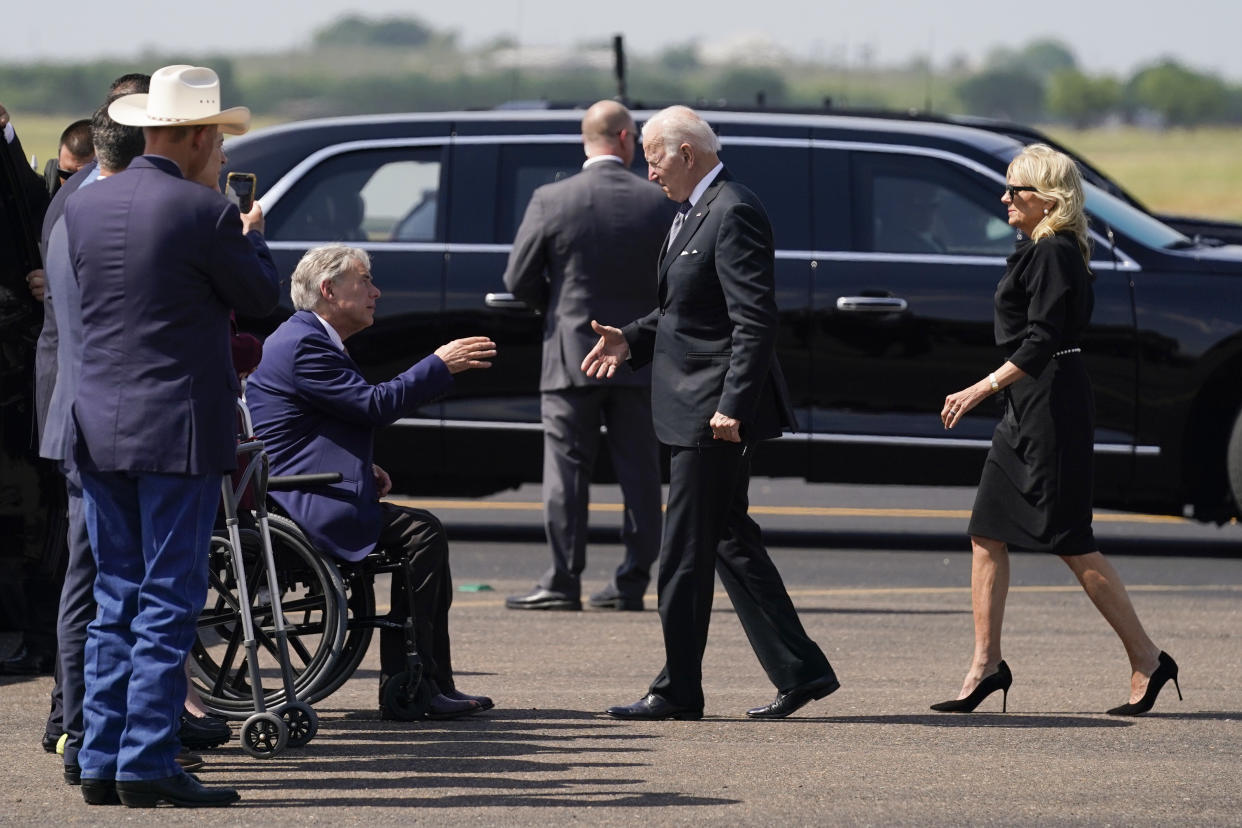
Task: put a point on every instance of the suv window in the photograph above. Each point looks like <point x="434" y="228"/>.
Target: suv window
<point x="918" y="205"/>
<point x="523" y="169"/>
<point x="389" y="195"/>
<point x="781" y="177"/>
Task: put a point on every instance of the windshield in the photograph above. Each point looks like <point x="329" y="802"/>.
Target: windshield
<point x="1105" y="209"/>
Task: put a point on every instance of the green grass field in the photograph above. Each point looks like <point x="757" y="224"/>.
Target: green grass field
<point x="1189" y="172"/>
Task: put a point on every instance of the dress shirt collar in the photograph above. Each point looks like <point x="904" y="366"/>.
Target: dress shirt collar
<point x="332" y="334"/>
<point x="9" y="133"/>
<point x="595" y="159"/>
<point x="706" y="182"/>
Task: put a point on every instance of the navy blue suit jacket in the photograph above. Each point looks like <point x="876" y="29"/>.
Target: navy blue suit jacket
<point x="160" y="261"/>
<point x="316" y="413"/>
<point x="54" y="409"/>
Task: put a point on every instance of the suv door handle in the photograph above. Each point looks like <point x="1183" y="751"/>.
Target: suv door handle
<point x="872" y="304"/>
<point x="504" y="301"/>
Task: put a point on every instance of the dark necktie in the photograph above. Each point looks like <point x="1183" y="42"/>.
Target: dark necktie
<point x="679" y="220"/>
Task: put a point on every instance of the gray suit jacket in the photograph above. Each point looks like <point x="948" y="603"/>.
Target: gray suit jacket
<point x="587" y="249"/>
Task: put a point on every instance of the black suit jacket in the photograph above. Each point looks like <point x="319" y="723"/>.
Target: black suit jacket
<point x="585" y="250"/>
<point x="712" y="339"/>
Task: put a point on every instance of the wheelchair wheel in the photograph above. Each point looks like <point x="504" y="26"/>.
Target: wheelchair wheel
<point x="405" y="697"/>
<point x="302" y="723"/>
<point x="359" y="603"/>
<point x="311" y="596"/>
<point x="264" y="735"/>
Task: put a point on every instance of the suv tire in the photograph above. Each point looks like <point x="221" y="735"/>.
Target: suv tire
<point x="1233" y="464"/>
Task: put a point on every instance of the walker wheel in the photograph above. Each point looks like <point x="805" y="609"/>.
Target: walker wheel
<point x="301" y="722"/>
<point x="264" y="735"/>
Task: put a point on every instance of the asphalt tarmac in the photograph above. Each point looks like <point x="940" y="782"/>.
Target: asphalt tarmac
<point x="886" y="595"/>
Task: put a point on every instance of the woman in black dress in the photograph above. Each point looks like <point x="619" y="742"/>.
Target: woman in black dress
<point x="1035" y="491"/>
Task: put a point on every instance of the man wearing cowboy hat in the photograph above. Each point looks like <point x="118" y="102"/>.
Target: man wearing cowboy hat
<point x="160" y="260"/>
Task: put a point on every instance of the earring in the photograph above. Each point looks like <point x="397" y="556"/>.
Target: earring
<point x="1045" y="211"/>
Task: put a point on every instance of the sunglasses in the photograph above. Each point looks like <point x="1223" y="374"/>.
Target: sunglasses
<point x="1013" y="190"/>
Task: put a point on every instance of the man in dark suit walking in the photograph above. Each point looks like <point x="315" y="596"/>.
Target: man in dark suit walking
<point x="717" y="389"/>
<point x="585" y="250"/>
<point x="160" y="261"/>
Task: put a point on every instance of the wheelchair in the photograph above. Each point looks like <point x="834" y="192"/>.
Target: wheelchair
<point x="312" y="619"/>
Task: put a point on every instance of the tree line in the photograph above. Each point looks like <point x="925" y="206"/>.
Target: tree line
<point x="359" y="65"/>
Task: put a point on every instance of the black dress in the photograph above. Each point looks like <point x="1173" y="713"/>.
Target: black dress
<point x="1036" y="487"/>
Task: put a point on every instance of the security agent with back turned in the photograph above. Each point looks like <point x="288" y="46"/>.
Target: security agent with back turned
<point x="717" y="389"/>
<point x="160" y="260"/>
<point x="585" y="250"/>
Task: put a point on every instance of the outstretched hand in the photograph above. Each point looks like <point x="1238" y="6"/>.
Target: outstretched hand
<point x="465" y="354"/>
<point x="608" y="353"/>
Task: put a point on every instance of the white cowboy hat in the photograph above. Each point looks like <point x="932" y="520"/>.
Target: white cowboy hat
<point x="180" y="96"/>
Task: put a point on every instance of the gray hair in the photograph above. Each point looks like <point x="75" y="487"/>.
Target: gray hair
<point x="319" y="265"/>
<point x="679" y="125"/>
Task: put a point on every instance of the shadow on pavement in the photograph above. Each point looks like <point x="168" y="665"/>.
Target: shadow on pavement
<point x="1007" y="720"/>
<point x="503" y="762"/>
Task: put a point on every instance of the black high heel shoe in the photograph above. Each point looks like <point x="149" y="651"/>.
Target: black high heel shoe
<point x="1000" y="680"/>
<point x="1166" y="670"/>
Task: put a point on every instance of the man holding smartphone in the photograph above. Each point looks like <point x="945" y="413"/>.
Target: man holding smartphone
<point x="155" y="359"/>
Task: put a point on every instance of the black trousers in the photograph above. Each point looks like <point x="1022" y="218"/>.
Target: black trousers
<point x="418" y="535"/>
<point x="707" y="531"/>
<point x="77" y="610"/>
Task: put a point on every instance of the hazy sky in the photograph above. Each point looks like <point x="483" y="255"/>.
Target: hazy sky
<point x="1106" y="35"/>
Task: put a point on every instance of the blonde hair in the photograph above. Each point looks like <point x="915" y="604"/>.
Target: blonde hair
<point x="318" y="265"/>
<point x="1054" y="175"/>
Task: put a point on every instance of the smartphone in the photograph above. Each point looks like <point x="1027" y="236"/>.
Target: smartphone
<point x="240" y="188"/>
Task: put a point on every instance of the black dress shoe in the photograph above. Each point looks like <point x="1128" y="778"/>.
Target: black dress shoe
<point x="543" y="599"/>
<point x="791" y="700"/>
<point x="25" y="662"/>
<point x="202" y="732"/>
<point x="99" y="792"/>
<point x="50" y="740"/>
<point x="653" y="708"/>
<point x="483" y="702"/>
<point x="609" y="598"/>
<point x="444" y="707"/>
<point x="182" y="790"/>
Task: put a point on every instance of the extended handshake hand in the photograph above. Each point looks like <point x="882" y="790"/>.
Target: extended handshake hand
<point x="465" y="354"/>
<point x="608" y="353"/>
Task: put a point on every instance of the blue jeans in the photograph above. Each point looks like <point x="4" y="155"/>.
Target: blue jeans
<point x="150" y="534"/>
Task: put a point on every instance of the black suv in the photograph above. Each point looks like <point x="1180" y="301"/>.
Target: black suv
<point x="890" y="239"/>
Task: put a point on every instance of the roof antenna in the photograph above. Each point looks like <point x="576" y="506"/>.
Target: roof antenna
<point x="618" y="68"/>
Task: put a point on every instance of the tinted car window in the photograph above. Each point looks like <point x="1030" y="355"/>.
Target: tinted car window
<point x="781" y="177"/>
<point x="523" y="169"/>
<point x="370" y="195"/>
<point x="919" y="205"/>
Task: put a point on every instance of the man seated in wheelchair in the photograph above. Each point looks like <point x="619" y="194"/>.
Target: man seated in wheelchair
<point x="316" y="413"/>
